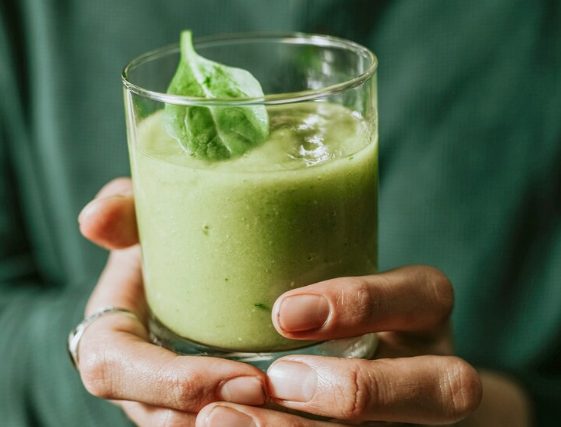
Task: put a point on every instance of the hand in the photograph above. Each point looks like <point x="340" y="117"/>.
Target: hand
<point x="154" y="386"/>
<point x="414" y="379"/>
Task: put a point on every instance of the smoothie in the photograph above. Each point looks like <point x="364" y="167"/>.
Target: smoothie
<point x="222" y="240"/>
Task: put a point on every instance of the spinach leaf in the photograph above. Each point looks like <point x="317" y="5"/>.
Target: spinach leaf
<point x="214" y="133"/>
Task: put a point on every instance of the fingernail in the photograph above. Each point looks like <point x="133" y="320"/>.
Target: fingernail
<point x="292" y="381"/>
<point x="94" y="206"/>
<point x="87" y="210"/>
<point x="221" y="416"/>
<point x="243" y="390"/>
<point x="303" y="312"/>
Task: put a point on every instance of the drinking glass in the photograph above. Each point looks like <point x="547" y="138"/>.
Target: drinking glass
<point x="222" y="240"/>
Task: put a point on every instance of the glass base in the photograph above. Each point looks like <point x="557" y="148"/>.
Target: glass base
<point x="362" y="347"/>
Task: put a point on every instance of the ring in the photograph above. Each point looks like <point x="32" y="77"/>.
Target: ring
<point x="76" y="334"/>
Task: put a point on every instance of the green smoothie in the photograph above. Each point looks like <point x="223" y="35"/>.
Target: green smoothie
<point x="222" y="240"/>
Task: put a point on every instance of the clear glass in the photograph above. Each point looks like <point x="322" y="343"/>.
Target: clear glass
<point x="222" y="240"/>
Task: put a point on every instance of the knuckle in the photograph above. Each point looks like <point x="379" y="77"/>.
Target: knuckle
<point x="95" y="374"/>
<point x="462" y="389"/>
<point x="363" y="303"/>
<point x="441" y="289"/>
<point x="355" y="394"/>
<point x="185" y="390"/>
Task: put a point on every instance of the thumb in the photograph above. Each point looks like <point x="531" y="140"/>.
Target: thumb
<point x="110" y="219"/>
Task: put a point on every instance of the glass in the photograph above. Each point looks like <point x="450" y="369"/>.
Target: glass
<point x="221" y="241"/>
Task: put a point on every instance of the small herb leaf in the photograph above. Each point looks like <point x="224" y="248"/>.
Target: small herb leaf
<point x="214" y="133"/>
<point x="262" y="307"/>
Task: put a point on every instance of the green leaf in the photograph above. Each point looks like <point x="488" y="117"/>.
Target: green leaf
<point x="214" y="133"/>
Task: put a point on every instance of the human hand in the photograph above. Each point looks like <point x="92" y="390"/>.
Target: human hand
<point x="154" y="386"/>
<point x="414" y="379"/>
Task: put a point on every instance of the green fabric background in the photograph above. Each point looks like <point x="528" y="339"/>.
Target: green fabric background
<point x="470" y="152"/>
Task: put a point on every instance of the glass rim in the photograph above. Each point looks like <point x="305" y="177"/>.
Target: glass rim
<point x="272" y="99"/>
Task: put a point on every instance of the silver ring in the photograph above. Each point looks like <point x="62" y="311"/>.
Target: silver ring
<point x="76" y="334"/>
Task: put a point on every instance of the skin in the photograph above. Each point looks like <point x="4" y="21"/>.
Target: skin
<point x="414" y="379"/>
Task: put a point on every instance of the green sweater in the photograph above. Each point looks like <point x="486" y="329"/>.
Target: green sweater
<point x="470" y="131"/>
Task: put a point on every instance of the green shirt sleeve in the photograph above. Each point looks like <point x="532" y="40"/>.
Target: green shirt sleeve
<point x="38" y="384"/>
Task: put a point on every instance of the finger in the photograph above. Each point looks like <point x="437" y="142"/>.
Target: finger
<point x="402" y="344"/>
<point x="116" y="362"/>
<point x="110" y="219"/>
<point x="120" y="284"/>
<point x="152" y="416"/>
<point x="225" y="414"/>
<point x="430" y="390"/>
<point x="415" y="298"/>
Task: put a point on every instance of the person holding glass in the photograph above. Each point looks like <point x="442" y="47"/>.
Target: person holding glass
<point x="464" y="187"/>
